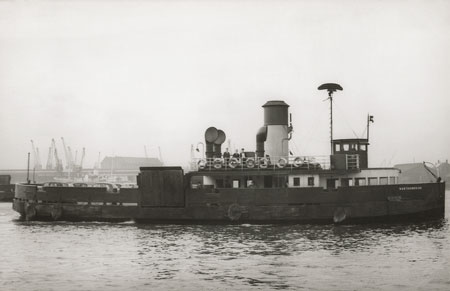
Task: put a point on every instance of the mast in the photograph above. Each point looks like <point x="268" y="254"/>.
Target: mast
<point x="331" y="88"/>
<point x="369" y="120"/>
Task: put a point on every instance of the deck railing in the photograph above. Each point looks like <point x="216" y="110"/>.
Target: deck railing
<point x="260" y="163"/>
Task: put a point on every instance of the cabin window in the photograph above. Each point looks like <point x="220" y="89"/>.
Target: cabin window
<point x="337" y="147"/>
<point x="373" y="181"/>
<point x="250" y="183"/>
<point x="346" y="146"/>
<point x="392" y="180"/>
<point x="280" y="182"/>
<point x="236" y="183"/>
<point x="331" y="183"/>
<point x="360" y="181"/>
<point x="227" y="183"/>
<point x="296" y="181"/>
<point x="346" y="182"/>
<point x="362" y="147"/>
<point x="383" y="180"/>
<point x="310" y="181"/>
<point x="352" y="146"/>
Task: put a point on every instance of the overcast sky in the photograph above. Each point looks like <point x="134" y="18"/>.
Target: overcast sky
<point x="113" y="76"/>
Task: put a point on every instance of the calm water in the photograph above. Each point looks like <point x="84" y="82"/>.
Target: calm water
<point x="125" y="256"/>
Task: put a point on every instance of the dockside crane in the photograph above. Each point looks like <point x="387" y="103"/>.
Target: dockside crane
<point x="83" y="154"/>
<point x="66" y="154"/>
<point x="72" y="161"/>
<point x="37" y="161"/>
<point x="59" y="165"/>
<point x="39" y="167"/>
<point x="49" y="165"/>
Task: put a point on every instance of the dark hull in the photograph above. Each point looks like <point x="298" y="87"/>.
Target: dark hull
<point x="391" y="203"/>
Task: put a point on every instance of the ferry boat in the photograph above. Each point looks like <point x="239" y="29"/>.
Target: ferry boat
<point x="265" y="186"/>
<point x="6" y="188"/>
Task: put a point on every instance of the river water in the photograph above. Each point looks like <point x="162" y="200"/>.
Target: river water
<point x="129" y="256"/>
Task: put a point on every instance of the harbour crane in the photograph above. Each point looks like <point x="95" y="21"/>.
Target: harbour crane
<point x="59" y="165"/>
<point x="49" y="165"/>
<point x="66" y="154"/>
<point x="83" y="154"/>
<point x="39" y="166"/>
<point x="72" y="161"/>
<point x="37" y="161"/>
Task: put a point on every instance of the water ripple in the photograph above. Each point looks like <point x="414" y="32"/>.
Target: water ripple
<point x="128" y="256"/>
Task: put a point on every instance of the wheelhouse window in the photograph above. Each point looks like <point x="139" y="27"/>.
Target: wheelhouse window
<point x="337" y="147"/>
<point x="392" y="180"/>
<point x="383" y="180"/>
<point x="310" y="181"/>
<point x="373" y="181"/>
<point x="362" y="147"/>
<point x="296" y="182"/>
<point x="346" y="146"/>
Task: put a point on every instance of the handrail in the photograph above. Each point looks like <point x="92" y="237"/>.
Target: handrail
<point x="262" y="163"/>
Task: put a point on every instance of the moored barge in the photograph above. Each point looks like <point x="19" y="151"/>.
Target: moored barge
<point x="6" y="189"/>
<point x="265" y="186"/>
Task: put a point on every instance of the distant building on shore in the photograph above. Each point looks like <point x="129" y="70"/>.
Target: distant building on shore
<point x="128" y="163"/>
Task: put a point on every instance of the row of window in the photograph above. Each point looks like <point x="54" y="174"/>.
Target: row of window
<point x="350" y="147"/>
<point x="282" y="181"/>
<point x="296" y="181"/>
<point x="345" y="182"/>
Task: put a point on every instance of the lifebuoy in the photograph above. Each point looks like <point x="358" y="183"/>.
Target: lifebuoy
<point x="217" y="163"/>
<point x="250" y="163"/>
<point x="340" y="214"/>
<point x="30" y="212"/>
<point x="298" y="162"/>
<point x="281" y="163"/>
<point x="233" y="163"/>
<point x="234" y="212"/>
<point x="56" y="212"/>
<point x="263" y="163"/>
<point x="201" y="164"/>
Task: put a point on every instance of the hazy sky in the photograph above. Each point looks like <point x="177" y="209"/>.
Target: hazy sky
<point x="113" y="76"/>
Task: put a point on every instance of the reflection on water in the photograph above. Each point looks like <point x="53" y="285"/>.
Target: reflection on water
<point x="124" y="256"/>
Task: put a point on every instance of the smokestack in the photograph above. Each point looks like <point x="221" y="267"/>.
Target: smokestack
<point x="261" y="137"/>
<point x="276" y="120"/>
